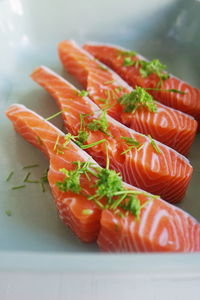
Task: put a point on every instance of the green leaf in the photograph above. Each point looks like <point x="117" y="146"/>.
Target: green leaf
<point x="130" y="141"/>
<point x="83" y="93"/>
<point x="137" y="98"/>
<point x="153" y="67"/>
<point x="154" y="145"/>
<point x="128" y="62"/>
<point x="100" y="123"/>
<point x="127" y="53"/>
<point x="87" y="212"/>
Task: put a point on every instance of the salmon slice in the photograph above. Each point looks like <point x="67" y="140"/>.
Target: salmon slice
<point x="110" y="55"/>
<point x="170" y="231"/>
<point x="160" y="227"/>
<point x="44" y="135"/>
<point x="167" y="125"/>
<point x="166" y="174"/>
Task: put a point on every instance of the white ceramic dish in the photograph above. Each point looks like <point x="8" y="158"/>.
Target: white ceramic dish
<point x="33" y="238"/>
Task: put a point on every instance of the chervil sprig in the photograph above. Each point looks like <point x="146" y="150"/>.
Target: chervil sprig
<point x="137" y="98"/>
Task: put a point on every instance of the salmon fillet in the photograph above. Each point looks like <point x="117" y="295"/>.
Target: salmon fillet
<point x="44" y="135"/>
<point x="166" y="174"/>
<point x="188" y="102"/>
<point x="161" y="226"/>
<point x="167" y="125"/>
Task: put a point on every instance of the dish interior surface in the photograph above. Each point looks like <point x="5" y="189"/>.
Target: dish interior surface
<point x="28" y="38"/>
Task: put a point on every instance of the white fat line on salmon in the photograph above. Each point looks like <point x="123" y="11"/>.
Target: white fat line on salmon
<point x="116" y="77"/>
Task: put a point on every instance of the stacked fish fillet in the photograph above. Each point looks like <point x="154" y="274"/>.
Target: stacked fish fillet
<point x="117" y="132"/>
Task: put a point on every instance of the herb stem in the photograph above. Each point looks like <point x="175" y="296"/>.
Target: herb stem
<point x="154" y="145"/>
<point x="9" y="176"/>
<point x="56" y="143"/>
<point x="31" y="166"/>
<point x="27" y="176"/>
<point x="166" y="90"/>
<point x="18" y="187"/>
<point x="8" y="212"/>
<point x="32" y="181"/>
<point x="93" y="144"/>
<point x="53" y="116"/>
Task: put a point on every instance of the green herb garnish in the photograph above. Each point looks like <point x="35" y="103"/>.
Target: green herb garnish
<point x="83" y="93"/>
<point x="31" y="166"/>
<point x="72" y="177"/>
<point x="87" y="212"/>
<point x="18" y="187"/>
<point x="137" y="98"/>
<point x="53" y="116"/>
<point x="128" y="62"/>
<point x="154" y="145"/>
<point x="127" y="53"/>
<point x="93" y="144"/>
<point x="146" y="67"/>
<point x="109" y="82"/>
<point x="130" y="142"/>
<point x="32" y="181"/>
<point x="102" y="67"/>
<point x="56" y="143"/>
<point x="43" y="180"/>
<point x="82" y="136"/>
<point x="39" y="140"/>
<point x="8" y="212"/>
<point x="100" y="123"/>
<point x="167" y="90"/>
<point x="109" y="188"/>
<point x="153" y="67"/>
<point x="27" y="176"/>
<point x="9" y="176"/>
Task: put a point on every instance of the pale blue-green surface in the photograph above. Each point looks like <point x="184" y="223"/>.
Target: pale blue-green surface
<point x="33" y="237"/>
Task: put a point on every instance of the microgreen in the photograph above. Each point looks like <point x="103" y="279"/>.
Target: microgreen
<point x="27" y="176"/>
<point x="102" y="67"/>
<point x="130" y="142"/>
<point x="9" y="176"/>
<point x="137" y="98"/>
<point x="18" y="187"/>
<point x="146" y="67"/>
<point x="72" y="177"/>
<point x="39" y="140"/>
<point x="154" y="145"/>
<point x="153" y="67"/>
<point x="127" y="53"/>
<point x="166" y="90"/>
<point x="109" y="82"/>
<point x="82" y="137"/>
<point x="87" y="212"/>
<point x="109" y="186"/>
<point x="93" y="144"/>
<point x="43" y="180"/>
<point x="30" y="166"/>
<point x="128" y="62"/>
<point x="100" y="123"/>
<point x="53" y="116"/>
<point x="8" y="212"/>
<point x="83" y="93"/>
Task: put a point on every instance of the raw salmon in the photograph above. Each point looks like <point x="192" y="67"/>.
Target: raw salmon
<point x="166" y="174"/>
<point x="44" y="135"/>
<point x="110" y="55"/>
<point x="161" y="226"/>
<point x="167" y="125"/>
